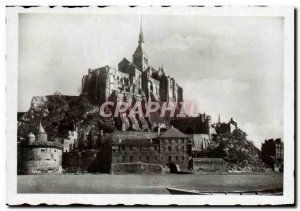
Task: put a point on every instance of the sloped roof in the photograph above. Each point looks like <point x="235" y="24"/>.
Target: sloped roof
<point x="173" y="133"/>
<point x="209" y="160"/>
<point x="116" y="135"/>
<point x="126" y="61"/>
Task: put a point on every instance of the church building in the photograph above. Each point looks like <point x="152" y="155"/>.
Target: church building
<point x="133" y="81"/>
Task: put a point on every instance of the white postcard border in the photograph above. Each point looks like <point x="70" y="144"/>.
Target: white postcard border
<point x="13" y="198"/>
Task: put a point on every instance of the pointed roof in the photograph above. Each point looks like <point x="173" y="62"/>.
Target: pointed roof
<point x="41" y="129"/>
<point x="31" y="135"/>
<point x="124" y="60"/>
<point x="127" y="62"/>
<point x="139" y="51"/>
<point x="173" y="133"/>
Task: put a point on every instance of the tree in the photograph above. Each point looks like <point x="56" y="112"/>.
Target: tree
<point x="57" y="93"/>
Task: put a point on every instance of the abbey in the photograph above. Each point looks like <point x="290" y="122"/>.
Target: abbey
<point x="132" y="81"/>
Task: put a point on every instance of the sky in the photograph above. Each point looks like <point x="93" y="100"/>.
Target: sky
<point x="232" y="66"/>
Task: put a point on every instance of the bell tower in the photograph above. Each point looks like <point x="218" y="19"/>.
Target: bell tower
<point x="140" y="57"/>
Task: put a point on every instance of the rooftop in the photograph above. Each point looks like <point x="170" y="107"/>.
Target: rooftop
<point x="173" y="133"/>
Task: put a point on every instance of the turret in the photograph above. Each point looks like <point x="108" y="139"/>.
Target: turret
<point x="31" y="138"/>
<point x="42" y="135"/>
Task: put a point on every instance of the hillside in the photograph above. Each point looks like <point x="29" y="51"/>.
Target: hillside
<point x="60" y="113"/>
<point x="234" y="148"/>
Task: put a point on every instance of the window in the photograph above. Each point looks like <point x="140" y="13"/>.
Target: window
<point x="51" y="155"/>
<point x="182" y="158"/>
<point x="123" y="158"/>
<point x="131" y="148"/>
<point x="148" y="158"/>
<point x="176" y="158"/>
<point x="131" y="158"/>
<point x="169" y="148"/>
<point x="43" y="150"/>
<point x="155" y="158"/>
<point x="170" y="158"/>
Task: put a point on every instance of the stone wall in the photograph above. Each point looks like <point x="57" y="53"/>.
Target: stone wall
<point x="40" y="160"/>
<point x="209" y="164"/>
<point x="84" y="161"/>
<point x="136" y="168"/>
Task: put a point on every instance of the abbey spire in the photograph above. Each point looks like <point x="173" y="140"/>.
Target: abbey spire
<point x="140" y="57"/>
<point x="141" y="35"/>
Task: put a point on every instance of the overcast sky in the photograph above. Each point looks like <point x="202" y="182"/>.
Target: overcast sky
<point x="232" y="66"/>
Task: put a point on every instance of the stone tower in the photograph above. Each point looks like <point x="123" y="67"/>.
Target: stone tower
<point x="140" y="57"/>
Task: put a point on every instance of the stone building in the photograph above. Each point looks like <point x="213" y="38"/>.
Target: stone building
<point x="174" y="149"/>
<point x="39" y="155"/>
<point x="200" y="142"/>
<point x="140" y="152"/>
<point x="130" y="152"/>
<point x="68" y="142"/>
<point x="197" y="128"/>
<point x="130" y="156"/>
<point x="272" y="153"/>
<point x="132" y="82"/>
<point x="225" y="128"/>
<point x="200" y="124"/>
